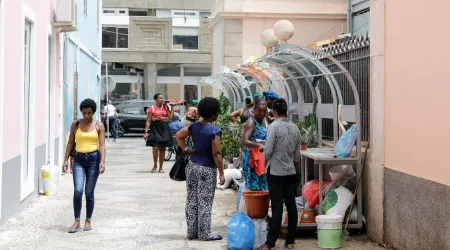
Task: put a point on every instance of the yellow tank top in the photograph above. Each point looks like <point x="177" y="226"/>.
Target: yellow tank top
<point x="86" y="142"/>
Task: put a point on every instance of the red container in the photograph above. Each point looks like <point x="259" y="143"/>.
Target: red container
<point x="257" y="203"/>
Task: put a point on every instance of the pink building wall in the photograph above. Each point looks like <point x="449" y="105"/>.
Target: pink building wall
<point x="417" y="90"/>
<point x="13" y="77"/>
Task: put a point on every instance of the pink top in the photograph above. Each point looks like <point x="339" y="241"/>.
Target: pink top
<point x="161" y="112"/>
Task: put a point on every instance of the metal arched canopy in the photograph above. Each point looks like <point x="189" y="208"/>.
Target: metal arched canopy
<point x="306" y="63"/>
<point x="277" y="80"/>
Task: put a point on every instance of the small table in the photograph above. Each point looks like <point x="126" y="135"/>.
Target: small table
<point x="321" y="156"/>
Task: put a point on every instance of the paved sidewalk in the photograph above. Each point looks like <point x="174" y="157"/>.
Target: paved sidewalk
<point x="134" y="209"/>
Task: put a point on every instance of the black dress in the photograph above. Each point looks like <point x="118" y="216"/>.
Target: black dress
<point x="159" y="134"/>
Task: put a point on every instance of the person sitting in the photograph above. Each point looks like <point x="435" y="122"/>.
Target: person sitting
<point x="192" y="113"/>
<point x="176" y="124"/>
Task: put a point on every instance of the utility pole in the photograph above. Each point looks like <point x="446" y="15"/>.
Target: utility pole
<point x="107" y="99"/>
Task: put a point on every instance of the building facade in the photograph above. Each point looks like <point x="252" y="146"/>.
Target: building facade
<point x="35" y="46"/>
<point x="408" y="170"/>
<point x="30" y="99"/>
<point x="237" y="25"/>
<point x="156" y="46"/>
<point x="82" y="61"/>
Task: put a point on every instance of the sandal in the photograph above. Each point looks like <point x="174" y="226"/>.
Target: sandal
<point x="161" y="171"/>
<point x="289" y="246"/>
<point x="87" y="227"/>
<point x="73" y="229"/>
<point x="153" y="170"/>
<point x="266" y="247"/>
<point x="215" y="237"/>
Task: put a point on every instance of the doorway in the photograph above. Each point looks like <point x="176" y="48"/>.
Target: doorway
<point x="27" y="168"/>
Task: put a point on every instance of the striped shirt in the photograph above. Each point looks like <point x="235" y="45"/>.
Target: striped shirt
<point x="282" y="147"/>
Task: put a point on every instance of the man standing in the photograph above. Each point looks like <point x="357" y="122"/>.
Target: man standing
<point x="110" y="112"/>
<point x="281" y="150"/>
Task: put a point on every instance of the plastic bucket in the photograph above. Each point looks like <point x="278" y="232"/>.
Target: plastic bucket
<point x="257" y="203"/>
<point x="50" y="179"/>
<point x="329" y="231"/>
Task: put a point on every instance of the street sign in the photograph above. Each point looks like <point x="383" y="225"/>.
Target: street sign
<point x="108" y="84"/>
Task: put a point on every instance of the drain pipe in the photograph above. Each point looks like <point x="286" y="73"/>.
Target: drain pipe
<point x="349" y="17"/>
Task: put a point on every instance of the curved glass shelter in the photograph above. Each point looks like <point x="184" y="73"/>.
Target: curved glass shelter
<point x="301" y="75"/>
<point x="304" y="76"/>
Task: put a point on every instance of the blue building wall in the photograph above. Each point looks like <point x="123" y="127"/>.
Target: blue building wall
<point x="82" y="58"/>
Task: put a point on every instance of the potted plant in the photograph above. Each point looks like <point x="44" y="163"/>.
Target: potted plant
<point x="303" y="143"/>
<point x="230" y="145"/>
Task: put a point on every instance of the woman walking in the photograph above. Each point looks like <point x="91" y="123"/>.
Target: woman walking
<point x="255" y="129"/>
<point x="159" y="137"/>
<point x="201" y="173"/>
<point x="89" y="160"/>
<point x="282" y="149"/>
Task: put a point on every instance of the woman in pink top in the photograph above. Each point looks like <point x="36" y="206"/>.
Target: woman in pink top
<point x="159" y="136"/>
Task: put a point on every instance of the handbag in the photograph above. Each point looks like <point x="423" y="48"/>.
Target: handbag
<point x="72" y="154"/>
<point x="178" y="171"/>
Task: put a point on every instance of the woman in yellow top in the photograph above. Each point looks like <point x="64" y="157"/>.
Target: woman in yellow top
<point x="88" y="137"/>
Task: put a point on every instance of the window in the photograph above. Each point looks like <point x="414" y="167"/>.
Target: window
<point x="205" y="14"/>
<point x="142" y="12"/>
<point x="182" y="13"/>
<point x="114" y="37"/>
<point x="137" y="12"/>
<point x="174" y="71"/>
<point x="85" y="8"/>
<point x="114" y="12"/>
<point x="134" y="111"/>
<point x="109" y="12"/>
<point x="151" y="12"/>
<point x="185" y="42"/>
<point x="194" y="71"/>
<point x="117" y="66"/>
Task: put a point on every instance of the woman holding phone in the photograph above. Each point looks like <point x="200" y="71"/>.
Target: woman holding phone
<point x="157" y="132"/>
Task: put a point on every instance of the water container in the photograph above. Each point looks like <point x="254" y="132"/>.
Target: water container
<point x="259" y="232"/>
<point x="50" y="178"/>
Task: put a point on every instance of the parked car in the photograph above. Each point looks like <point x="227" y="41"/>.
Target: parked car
<point x="132" y="116"/>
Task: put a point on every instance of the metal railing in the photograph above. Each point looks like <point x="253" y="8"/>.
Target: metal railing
<point x="354" y="54"/>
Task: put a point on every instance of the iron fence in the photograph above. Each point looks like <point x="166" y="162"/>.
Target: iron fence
<point x="354" y="54"/>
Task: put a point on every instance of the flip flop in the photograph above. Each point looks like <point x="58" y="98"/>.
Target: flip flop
<point x="153" y="170"/>
<point x="87" y="228"/>
<point x="215" y="237"/>
<point x="73" y="229"/>
<point x="161" y="171"/>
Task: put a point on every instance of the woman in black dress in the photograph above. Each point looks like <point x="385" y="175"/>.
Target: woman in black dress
<point x="159" y="136"/>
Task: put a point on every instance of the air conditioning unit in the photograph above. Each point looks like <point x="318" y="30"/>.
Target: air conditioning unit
<point x="66" y="15"/>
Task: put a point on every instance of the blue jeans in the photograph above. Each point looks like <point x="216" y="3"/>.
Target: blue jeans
<point x="112" y="126"/>
<point x="86" y="166"/>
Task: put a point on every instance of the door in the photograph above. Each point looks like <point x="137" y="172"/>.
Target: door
<point x="27" y="169"/>
<point x="50" y="104"/>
